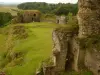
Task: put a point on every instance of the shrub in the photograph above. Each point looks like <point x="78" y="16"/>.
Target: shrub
<point x="5" y="18"/>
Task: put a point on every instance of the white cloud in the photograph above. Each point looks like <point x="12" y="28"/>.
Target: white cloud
<point x="48" y="1"/>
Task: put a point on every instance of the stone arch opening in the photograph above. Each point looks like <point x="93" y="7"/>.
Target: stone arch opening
<point x="34" y="17"/>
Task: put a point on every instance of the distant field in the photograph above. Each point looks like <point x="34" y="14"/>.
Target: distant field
<point x="8" y="9"/>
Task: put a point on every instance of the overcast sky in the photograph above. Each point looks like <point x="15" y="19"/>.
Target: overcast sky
<point x="48" y="1"/>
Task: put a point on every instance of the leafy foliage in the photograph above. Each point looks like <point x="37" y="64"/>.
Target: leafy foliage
<point x="57" y="9"/>
<point x="4" y="18"/>
<point x="64" y="9"/>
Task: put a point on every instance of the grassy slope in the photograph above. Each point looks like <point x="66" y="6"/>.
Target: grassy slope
<point x="38" y="45"/>
<point x="2" y="41"/>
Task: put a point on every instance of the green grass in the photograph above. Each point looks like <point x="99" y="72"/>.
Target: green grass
<point x="2" y="42"/>
<point x="38" y="47"/>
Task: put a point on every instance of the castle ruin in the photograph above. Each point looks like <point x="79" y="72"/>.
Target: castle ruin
<point x="27" y="16"/>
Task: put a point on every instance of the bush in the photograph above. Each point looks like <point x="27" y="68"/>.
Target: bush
<point x="5" y="18"/>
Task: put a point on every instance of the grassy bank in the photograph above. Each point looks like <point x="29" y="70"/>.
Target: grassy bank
<point x="38" y="46"/>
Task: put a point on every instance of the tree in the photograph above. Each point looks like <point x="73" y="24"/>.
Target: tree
<point x="57" y="9"/>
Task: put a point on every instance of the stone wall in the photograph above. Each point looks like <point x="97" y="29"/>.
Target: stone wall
<point x="92" y="61"/>
<point x="75" y="52"/>
<point x="65" y="50"/>
<point x="60" y="48"/>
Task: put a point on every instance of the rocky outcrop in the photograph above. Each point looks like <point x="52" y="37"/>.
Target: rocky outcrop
<point x="92" y="61"/>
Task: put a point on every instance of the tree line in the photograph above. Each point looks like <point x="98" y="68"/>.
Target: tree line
<point x="57" y="9"/>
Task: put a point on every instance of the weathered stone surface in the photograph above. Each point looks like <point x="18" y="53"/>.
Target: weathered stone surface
<point x="92" y="61"/>
<point x="65" y="50"/>
<point x="75" y="52"/>
<point x="89" y="17"/>
<point x="60" y="39"/>
<point x="89" y="24"/>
